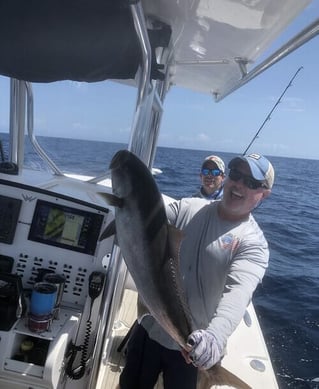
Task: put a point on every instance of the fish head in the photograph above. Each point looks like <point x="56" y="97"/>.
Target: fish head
<point x="131" y="179"/>
<point x="122" y="176"/>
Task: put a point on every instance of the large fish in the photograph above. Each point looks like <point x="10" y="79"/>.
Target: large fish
<point x="148" y="244"/>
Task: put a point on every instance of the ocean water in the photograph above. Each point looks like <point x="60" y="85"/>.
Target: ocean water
<point x="287" y="301"/>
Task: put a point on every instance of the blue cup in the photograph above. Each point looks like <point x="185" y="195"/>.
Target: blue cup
<point x="59" y="281"/>
<point x="42" y="298"/>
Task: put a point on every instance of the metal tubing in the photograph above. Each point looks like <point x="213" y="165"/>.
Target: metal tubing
<point x="30" y="126"/>
<point x="300" y="39"/>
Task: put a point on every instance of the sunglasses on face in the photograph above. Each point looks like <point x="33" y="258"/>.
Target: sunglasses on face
<point x="248" y="181"/>
<point x="212" y="172"/>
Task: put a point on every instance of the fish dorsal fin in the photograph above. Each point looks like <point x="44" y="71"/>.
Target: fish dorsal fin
<point x="175" y="237"/>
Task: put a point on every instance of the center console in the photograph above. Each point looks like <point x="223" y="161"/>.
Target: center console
<point x="41" y="234"/>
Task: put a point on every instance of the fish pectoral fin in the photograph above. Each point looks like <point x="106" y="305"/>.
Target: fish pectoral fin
<point x="175" y="237"/>
<point x="111" y="199"/>
<point x="110" y="230"/>
<point x="218" y="375"/>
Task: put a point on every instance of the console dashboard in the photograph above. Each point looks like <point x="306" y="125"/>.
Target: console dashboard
<point x="43" y="230"/>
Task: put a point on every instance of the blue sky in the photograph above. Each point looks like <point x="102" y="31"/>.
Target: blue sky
<point x="194" y="120"/>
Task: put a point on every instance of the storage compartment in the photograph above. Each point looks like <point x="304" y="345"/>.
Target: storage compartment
<point x="30" y="349"/>
<point x="38" y="355"/>
<point x="27" y="355"/>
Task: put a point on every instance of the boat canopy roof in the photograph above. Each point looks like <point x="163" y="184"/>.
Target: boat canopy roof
<point x="210" y="44"/>
<point x="79" y="40"/>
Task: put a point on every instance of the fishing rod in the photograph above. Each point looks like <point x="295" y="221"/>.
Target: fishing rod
<point x="272" y="110"/>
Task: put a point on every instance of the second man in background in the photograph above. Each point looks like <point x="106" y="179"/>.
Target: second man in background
<point x="212" y="176"/>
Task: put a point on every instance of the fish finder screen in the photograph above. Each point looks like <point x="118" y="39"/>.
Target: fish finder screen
<point x="65" y="227"/>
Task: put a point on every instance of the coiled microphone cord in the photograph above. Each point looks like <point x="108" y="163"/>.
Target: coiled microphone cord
<point x="78" y="373"/>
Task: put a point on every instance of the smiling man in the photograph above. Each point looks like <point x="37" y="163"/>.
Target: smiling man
<point x="250" y="180"/>
<point x="211" y="176"/>
<point x="223" y="257"/>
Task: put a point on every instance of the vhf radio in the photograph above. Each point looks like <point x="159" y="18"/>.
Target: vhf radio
<point x="96" y="284"/>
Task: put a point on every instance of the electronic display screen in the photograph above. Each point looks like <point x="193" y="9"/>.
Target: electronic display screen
<point x="65" y="227"/>
<point x="9" y="214"/>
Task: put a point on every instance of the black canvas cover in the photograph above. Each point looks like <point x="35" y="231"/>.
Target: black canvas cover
<point x="80" y="40"/>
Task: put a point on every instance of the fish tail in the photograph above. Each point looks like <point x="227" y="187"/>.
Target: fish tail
<point x="218" y="375"/>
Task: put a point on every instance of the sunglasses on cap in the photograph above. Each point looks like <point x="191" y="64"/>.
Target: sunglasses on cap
<point x="248" y="181"/>
<point x="212" y="172"/>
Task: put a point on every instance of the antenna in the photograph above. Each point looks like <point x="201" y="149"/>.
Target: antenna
<point x="272" y="110"/>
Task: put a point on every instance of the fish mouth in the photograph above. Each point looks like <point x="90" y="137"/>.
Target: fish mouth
<point x="119" y="159"/>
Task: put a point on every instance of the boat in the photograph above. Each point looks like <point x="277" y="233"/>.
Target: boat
<point x="51" y="221"/>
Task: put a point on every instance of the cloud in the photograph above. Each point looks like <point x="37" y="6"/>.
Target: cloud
<point x="291" y="104"/>
<point x="294" y="104"/>
<point x="79" y="126"/>
<point x="202" y="137"/>
<point x="78" y="85"/>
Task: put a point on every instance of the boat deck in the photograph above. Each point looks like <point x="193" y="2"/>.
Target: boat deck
<point x="246" y="354"/>
<point x="127" y="316"/>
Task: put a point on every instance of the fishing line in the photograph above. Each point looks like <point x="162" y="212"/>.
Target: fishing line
<point x="272" y="110"/>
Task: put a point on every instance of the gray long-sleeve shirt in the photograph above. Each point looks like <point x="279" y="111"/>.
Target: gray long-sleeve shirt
<point x="221" y="264"/>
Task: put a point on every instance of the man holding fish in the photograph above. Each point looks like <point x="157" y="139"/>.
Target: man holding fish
<point x="197" y="302"/>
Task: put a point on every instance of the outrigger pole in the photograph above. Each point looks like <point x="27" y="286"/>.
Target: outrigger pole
<point x="272" y="110"/>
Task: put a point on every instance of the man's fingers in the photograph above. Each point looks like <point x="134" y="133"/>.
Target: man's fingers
<point x="186" y="356"/>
